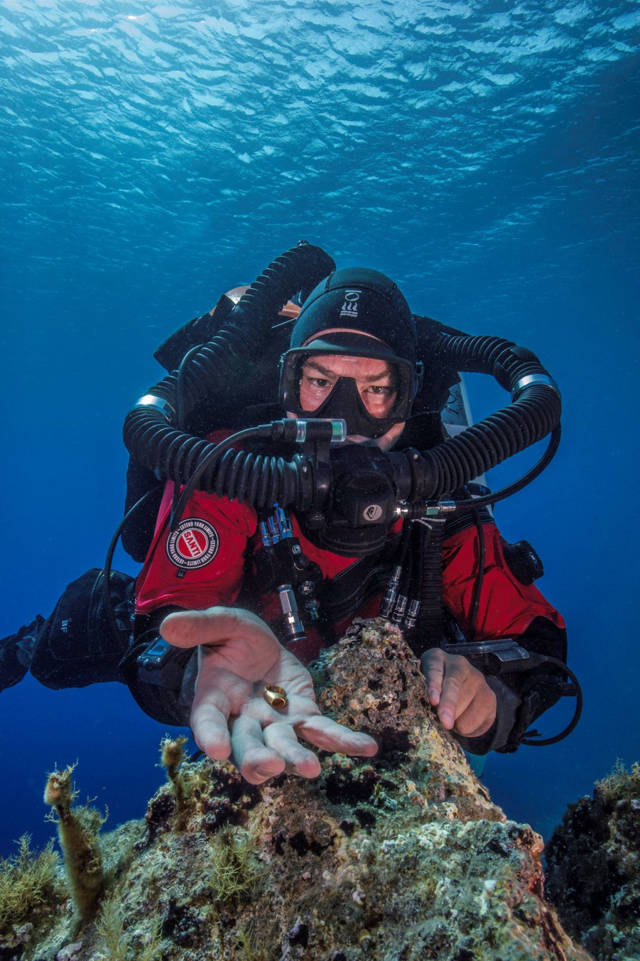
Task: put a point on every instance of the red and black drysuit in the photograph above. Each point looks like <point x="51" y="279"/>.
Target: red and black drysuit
<point x="208" y="558"/>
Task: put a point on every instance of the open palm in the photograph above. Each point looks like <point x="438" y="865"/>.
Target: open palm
<point x="237" y="655"/>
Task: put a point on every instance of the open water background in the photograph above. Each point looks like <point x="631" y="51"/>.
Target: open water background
<point x="484" y="154"/>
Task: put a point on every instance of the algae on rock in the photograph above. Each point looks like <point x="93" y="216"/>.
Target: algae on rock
<point x="402" y="857"/>
<point x="30" y="892"/>
<point x="78" y="829"/>
<point x="593" y="867"/>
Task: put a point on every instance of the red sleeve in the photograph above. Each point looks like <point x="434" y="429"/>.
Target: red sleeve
<point x="202" y="562"/>
<point x="506" y="606"/>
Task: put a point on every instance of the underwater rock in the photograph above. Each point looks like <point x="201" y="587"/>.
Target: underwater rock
<point x="593" y="867"/>
<point x="396" y="858"/>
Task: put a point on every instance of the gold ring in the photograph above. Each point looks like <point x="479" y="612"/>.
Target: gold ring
<point x="275" y="697"/>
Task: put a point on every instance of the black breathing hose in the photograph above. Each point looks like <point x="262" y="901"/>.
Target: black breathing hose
<point x="261" y="480"/>
<point x="533" y="413"/>
<point x="149" y="430"/>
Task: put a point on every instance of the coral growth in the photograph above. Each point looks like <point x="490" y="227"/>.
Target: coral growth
<point x="593" y="867"/>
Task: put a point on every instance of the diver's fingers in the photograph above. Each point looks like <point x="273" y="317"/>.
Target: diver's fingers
<point x="463" y="699"/>
<point x="281" y="737"/>
<point x="455" y="695"/>
<point x="446" y="676"/>
<point x="327" y="734"/>
<point x="215" y="626"/>
<point x="479" y="715"/>
<point x="210" y="730"/>
<point x="432" y="665"/>
<point x="255" y="761"/>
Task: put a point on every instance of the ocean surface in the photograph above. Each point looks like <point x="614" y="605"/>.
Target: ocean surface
<point x="484" y="154"/>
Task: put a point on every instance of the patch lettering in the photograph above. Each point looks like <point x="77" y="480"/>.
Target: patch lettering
<point x="193" y="544"/>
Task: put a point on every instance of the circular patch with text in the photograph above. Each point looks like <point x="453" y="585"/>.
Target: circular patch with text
<point x="193" y="544"/>
<point x="372" y="513"/>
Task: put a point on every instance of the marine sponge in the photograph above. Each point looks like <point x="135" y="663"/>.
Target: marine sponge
<point x="78" y="834"/>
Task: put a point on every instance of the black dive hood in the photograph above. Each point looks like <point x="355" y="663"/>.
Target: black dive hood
<point x="154" y="435"/>
<point x="358" y="298"/>
<point x="355" y="312"/>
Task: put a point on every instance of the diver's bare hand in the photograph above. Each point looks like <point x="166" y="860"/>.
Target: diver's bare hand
<point x="465" y="703"/>
<point x="237" y="655"/>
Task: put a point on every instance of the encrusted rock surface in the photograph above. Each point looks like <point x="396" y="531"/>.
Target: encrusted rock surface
<point x="399" y="858"/>
<point x="593" y="868"/>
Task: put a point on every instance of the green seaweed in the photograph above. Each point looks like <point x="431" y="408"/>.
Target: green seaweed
<point x="78" y="835"/>
<point x="119" y="944"/>
<point x="28" y="885"/>
<point x="172" y="756"/>
<point x="235" y="871"/>
<point x="620" y="783"/>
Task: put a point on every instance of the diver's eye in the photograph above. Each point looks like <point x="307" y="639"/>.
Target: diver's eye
<point x="321" y="383"/>
<point x="379" y="390"/>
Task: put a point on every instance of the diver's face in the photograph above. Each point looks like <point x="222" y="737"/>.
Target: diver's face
<point x="374" y="380"/>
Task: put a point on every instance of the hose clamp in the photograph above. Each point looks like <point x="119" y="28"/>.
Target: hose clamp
<point x="320" y="428"/>
<point x="534" y="380"/>
<point x="165" y="408"/>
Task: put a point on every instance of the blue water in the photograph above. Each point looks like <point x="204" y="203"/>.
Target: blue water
<point x="484" y="154"/>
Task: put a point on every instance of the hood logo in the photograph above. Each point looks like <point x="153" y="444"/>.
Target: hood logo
<point x="193" y="544"/>
<point x="350" y="305"/>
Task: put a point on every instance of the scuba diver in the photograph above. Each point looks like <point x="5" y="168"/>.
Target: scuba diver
<point x="264" y="529"/>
